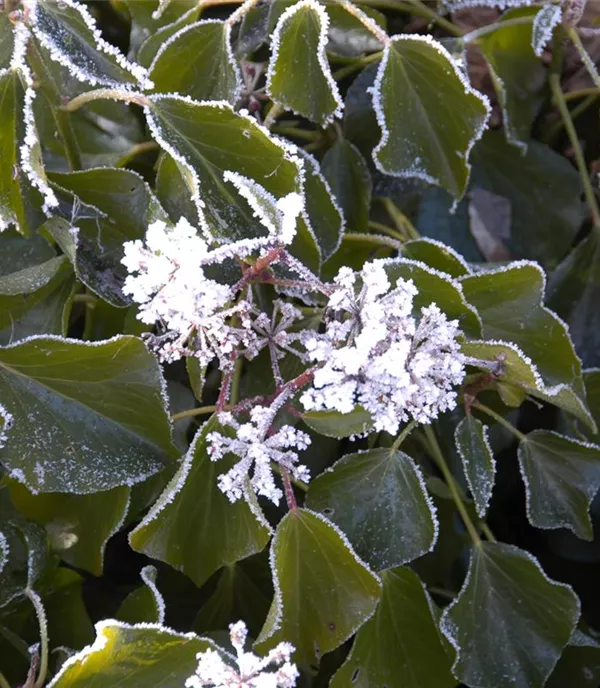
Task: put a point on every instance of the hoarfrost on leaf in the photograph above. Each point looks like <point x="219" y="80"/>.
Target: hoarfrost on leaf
<point x="543" y="26"/>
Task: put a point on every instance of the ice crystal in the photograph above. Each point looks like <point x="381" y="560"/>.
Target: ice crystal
<point x="375" y="353"/>
<point x="256" y="448"/>
<point x="251" y="671"/>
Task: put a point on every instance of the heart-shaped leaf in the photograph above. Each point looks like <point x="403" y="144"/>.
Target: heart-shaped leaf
<point x="478" y="462"/>
<point x="336" y="424"/>
<point x="436" y="255"/>
<point x="510" y="622"/>
<point x="323" y="591"/>
<point x="387" y="487"/>
<point x="416" y="80"/>
<point x="86" y="417"/>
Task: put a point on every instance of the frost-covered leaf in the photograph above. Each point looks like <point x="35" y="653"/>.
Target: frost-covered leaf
<point x="386" y="487"/>
<point x="544" y="23"/>
<point x="7" y="40"/>
<point x="130" y="656"/>
<point x="401" y="644"/>
<point x="579" y="664"/>
<point x="348" y="176"/>
<point x="574" y="293"/>
<point x="69" y="32"/>
<point x="518" y="74"/>
<point x="208" y="139"/>
<point x="510" y="622"/>
<point x="298" y="58"/>
<point x="104" y="208"/>
<point x="78" y="526"/>
<point x="348" y="37"/>
<point x="153" y="40"/>
<point x="324" y="214"/>
<point x="561" y="477"/>
<point x="544" y="191"/>
<point x="336" y="424"/>
<point x="223" y="532"/>
<point x="197" y="61"/>
<point x="86" y="417"/>
<point x="472" y="443"/>
<point x="323" y="591"/>
<point x="33" y="300"/>
<point x="144" y="604"/>
<point x="436" y="287"/>
<point x="510" y="303"/>
<point x="436" y="255"/>
<point x="416" y="81"/>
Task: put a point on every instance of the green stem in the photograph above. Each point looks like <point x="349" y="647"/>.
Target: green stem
<point x="234" y="395"/>
<point x="275" y="111"/>
<point x="85" y="298"/>
<point x="485" y="529"/>
<point x="581" y="93"/>
<point x="36" y="601"/>
<point x="403" y="224"/>
<point x="105" y="94"/>
<point x="584" y="55"/>
<point x="136" y="150"/>
<point x="395" y="234"/>
<point x="190" y="413"/>
<point x="498" y="418"/>
<point x="441" y="592"/>
<point x="356" y="65"/>
<point x="419" y="9"/>
<point x="402" y="436"/>
<point x="88" y="325"/>
<point x="556" y="127"/>
<point x="436" y="452"/>
<point x="304" y="134"/>
<point x="565" y="114"/>
<point x="3" y="682"/>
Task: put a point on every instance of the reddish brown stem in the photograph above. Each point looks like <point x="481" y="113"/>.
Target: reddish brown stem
<point x="290" y="497"/>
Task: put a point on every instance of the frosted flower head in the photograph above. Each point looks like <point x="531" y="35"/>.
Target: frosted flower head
<point x="257" y="448"/>
<point x="251" y="672"/>
<point x="376" y="354"/>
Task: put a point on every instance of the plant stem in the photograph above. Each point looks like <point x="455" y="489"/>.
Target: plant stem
<point x="565" y="114"/>
<point x="390" y="231"/>
<point x="136" y="150"/>
<point x="190" y="413"/>
<point x="581" y="93"/>
<point x="485" y="529"/>
<point x="404" y="225"/>
<point x="105" y="94"/>
<point x="472" y="36"/>
<point x="3" y="682"/>
<point x="85" y="298"/>
<point x="436" y="452"/>
<point x="357" y="64"/>
<point x="304" y="134"/>
<point x="499" y="419"/>
<point x="290" y="497"/>
<point x="420" y="9"/>
<point x="409" y="427"/>
<point x="441" y="592"/>
<point x="584" y="55"/>
<point x="36" y="601"/>
<point x="88" y="324"/>
<point x="273" y="114"/>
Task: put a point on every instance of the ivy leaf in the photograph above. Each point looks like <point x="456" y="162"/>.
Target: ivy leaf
<point x="348" y="37"/>
<point x="108" y="206"/>
<point x="131" y="656"/>
<point x="298" y="58"/>
<point x="561" y="477"/>
<point x="401" y="644"/>
<point x="223" y="532"/>
<point x="510" y="622"/>
<point x="197" y="61"/>
<point x="386" y="487"/>
<point x="544" y="23"/>
<point x="7" y="40"/>
<point x="94" y="414"/>
<point x="78" y="526"/>
<point x="510" y="303"/>
<point x="348" y="176"/>
<point x="573" y="292"/>
<point x="472" y="443"/>
<point x="336" y="424"/>
<point x="416" y="80"/>
<point x="68" y="31"/>
<point x="518" y="75"/>
<point x="436" y="255"/>
<point x="436" y="287"/>
<point x="145" y="604"/>
<point x="323" y="591"/>
<point x="544" y="191"/>
<point x="208" y="139"/>
<point x="325" y="216"/>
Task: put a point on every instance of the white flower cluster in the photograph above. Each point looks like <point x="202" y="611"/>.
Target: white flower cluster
<point x="256" y="449"/>
<point x="376" y="354"/>
<point x="251" y="672"/>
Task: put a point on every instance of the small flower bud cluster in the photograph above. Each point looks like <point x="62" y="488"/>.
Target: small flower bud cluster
<point x="376" y="354"/>
<point x="256" y="449"/>
<point x="251" y="672"/>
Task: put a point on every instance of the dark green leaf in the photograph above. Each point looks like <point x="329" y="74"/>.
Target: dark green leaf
<point x="298" y="58"/>
<point x="348" y="175"/>
<point x="544" y="191"/>
<point x="125" y="656"/>
<point x="579" y="664"/>
<point x="86" y="417"/>
<point x="561" y="477"/>
<point x="519" y="76"/>
<point x="510" y="622"/>
<point x="197" y="61"/>
<point x="78" y="526"/>
<point x="155" y="39"/>
<point x="323" y="592"/>
<point x="193" y="526"/>
<point x="145" y="604"/>
<point x="417" y="79"/>
<point x="401" y="644"/>
<point x="386" y="487"/>
<point x="477" y="459"/>
<point x="196" y="374"/>
<point x="336" y="424"/>
<point x="348" y="37"/>
<point x="436" y="255"/>
<point x="173" y="190"/>
<point x="6" y="40"/>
